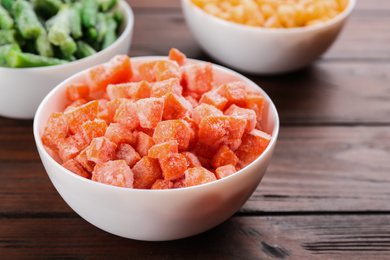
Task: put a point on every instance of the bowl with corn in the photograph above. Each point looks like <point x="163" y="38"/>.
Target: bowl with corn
<point x="266" y="37"/>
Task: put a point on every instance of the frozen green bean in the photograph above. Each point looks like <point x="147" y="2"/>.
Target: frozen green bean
<point x="84" y="50"/>
<point x="7" y="4"/>
<point x="5" y="49"/>
<point x="6" y="21"/>
<point x="59" y="27"/>
<point x="26" y="19"/>
<point x="106" y="5"/>
<point x="43" y="45"/>
<point x="8" y="36"/>
<point x="49" y="7"/>
<point x="101" y="26"/>
<point x="68" y="47"/>
<point x="17" y="59"/>
<point x="75" y="21"/>
<point x="89" y="12"/>
<point x="111" y="35"/>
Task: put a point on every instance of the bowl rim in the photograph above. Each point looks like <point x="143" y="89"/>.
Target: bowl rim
<point x="129" y="14"/>
<point x="341" y="16"/>
<point x="61" y="85"/>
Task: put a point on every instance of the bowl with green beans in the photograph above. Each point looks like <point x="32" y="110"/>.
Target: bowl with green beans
<point x="43" y="42"/>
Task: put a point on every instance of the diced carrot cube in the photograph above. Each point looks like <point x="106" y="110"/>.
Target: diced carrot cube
<point x="76" y="168"/>
<point x="95" y="128"/>
<point x="126" y="114"/>
<point x="224" y="156"/>
<point x="77" y="91"/>
<point x="139" y="90"/>
<point x="56" y="130"/>
<point x="255" y="102"/>
<point x="146" y="172"/>
<point x="198" y="77"/>
<point x="149" y="111"/>
<point x="161" y="88"/>
<point x="219" y="130"/>
<point x="117" y="70"/>
<point x="166" y="69"/>
<point x="205" y="149"/>
<point x="116" y="173"/>
<point x="146" y="71"/>
<point x="127" y="153"/>
<point x="234" y="92"/>
<point x="173" y="130"/>
<point x="178" y="56"/>
<point x="161" y="184"/>
<point x="82" y="159"/>
<point x="143" y="144"/>
<point x="248" y="114"/>
<point x="214" y="98"/>
<point x="224" y="171"/>
<point x="75" y="104"/>
<point x="71" y="146"/>
<point x="118" y="134"/>
<point x="173" y="167"/>
<point x="120" y="90"/>
<point x="180" y="183"/>
<point x="204" y="110"/>
<point x="163" y="150"/>
<point x="192" y="101"/>
<point x="176" y="107"/>
<point x="77" y="117"/>
<point x="192" y="160"/>
<point x="198" y="175"/>
<point x="148" y="131"/>
<point x="101" y="150"/>
<point x="112" y="106"/>
<point x="253" y="145"/>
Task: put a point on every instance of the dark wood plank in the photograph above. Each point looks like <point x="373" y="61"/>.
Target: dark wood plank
<point x="272" y="237"/>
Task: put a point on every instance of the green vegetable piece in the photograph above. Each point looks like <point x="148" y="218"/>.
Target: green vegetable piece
<point x="6" y="21"/>
<point x="17" y="59"/>
<point x="106" y="5"/>
<point x="49" y="7"/>
<point x="26" y="19"/>
<point x="84" y="50"/>
<point x="110" y="36"/>
<point x="92" y="33"/>
<point x="10" y="36"/>
<point x="101" y="27"/>
<point x="89" y="12"/>
<point x="43" y="45"/>
<point x="59" y="26"/>
<point x="75" y="21"/>
<point x="68" y="47"/>
<point x="118" y="17"/>
<point x="7" y="4"/>
<point x="4" y="50"/>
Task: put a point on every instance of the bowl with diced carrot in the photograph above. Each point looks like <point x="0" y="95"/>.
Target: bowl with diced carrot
<point x="156" y="148"/>
<point x="44" y="42"/>
<point x="266" y="37"/>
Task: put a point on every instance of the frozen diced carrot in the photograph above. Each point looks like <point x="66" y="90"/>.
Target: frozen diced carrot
<point x="192" y="160"/>
<point x="192" y="101"/>
<point x="198" y="175"/>
<point x="82" y="159"/>
<point x="205" y="149"/>
<point x="248" y="114"/>
<point x="126" y="114"/>
<point x="77" y="117"/>
<point x="220" y="130"/>
<point x="116" y="173"/>
<point x="146" y="172"/>
<point x="148" y="131"/>
<point x="204" y="110"/>
<point x="118" y="134"/>
<point x="146" y="71"/>
<point x="95" y="128"/>
<point x="112" y="106"/>
<point x="163" y="150"/>
<point x="75" y="104"/>
<point x="149" y="111"/>
<point x="76" y="168"/>
<point x="204" y="162"/>
<point x="127" y="153"/>
<point x="166" y="69"/>
<point x="117" y="70"/>
<point x="173" y="167"/>
<point x="161" y="88"/>
<point x="77" y="91"/>
<point x="176" y="107"/>
<point x="173" y="130"/>
<point x="198" y="77"/>
<point x="234" y="92"/>
<point x="143" y="144"/>
<point x="255" y="102"/>
<point x="118" y="90"/>
<point x="178" y="56"/>
<point x="56" y="130"/>
<point x="224" y="171"/>
<point x="162" y="184"/>
<point x="213" y="98"/>
<point x="102" y="110"/>
<point x="224" y="156"/>
<point x="253" y="145"/>
<point x="71" y="146"/>
<point x="180" y="183"/>
<point x="101" y="150"/>
<point x="139" y="90"/>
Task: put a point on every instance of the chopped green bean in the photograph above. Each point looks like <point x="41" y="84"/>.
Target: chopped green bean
<point x="89" y="12"/>
<point x="49" y="7"/>
<point x="111" y="35"/>
<point x="6" y="21"/>
<point x="8" y="36"/>
<point x="59" y="26"/>
<point x="17" y="59"/>
<point x="43" y="46"/>
<point x="7" y="4"/>
<point x="84" y="50"/>
<point x="68" y="47"/>
<point x="26" y="19"/>
<point x="5" y="49"/>
<point x="101" y="26"/>
<point x="75" y="21"/>
<point x="107" y="5"/>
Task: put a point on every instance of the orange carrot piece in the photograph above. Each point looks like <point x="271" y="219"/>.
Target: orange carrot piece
<point x="116" y="173"/>
<point x="198" y="175"/>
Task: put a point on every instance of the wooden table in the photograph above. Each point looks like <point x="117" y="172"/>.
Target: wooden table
<point x="326" y="194"/>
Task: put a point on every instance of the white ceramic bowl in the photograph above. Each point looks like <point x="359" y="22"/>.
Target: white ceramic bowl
<point x="155" y="215"/>
<point x="259" y="50"/>
<point x="22" y="89"/>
